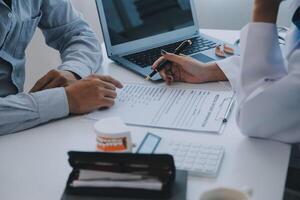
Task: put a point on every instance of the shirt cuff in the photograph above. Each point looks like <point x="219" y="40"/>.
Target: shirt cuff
<point x="230" y="67"/>
<point x="52" y="104"/>
<point x="77" y="68"/>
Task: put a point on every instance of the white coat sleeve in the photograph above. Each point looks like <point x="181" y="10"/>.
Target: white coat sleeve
<point x="268" y="95"/>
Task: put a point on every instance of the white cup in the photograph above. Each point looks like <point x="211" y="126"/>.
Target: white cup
<point x="223" y="193"/>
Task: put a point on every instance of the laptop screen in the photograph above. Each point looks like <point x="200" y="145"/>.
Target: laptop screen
<point x="130" y="20"/>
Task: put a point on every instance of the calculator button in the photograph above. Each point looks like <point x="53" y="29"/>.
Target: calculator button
<point x="205" y="150"/>
<point x="179" y="159"/>
<point x="218" y="148"/>
<point x="187" y="145"/>
<point x="211" y="162"/>
<point x="200" y="161"/>
<point x="173" y="151"/>
<point x="184" y="149"/>
<point x="175" y="148"/>
<point x="210" y="168"/>
<point x="192" y="155"/>
<point x="196" y="148"/>
<point x="189" y="160"/>
<point x="181" y="154"/>
<point x="186" y="166"/>
<point x="214" y="157"/>
<point x="176" y="145"/>
<point x="202" y="156"/>
<point x="215" y="152"/>
<point x="198" y="168"/>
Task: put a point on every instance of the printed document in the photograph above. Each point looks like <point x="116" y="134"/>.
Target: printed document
<point x="171" y="108"/>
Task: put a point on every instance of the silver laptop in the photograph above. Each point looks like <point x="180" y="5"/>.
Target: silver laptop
<point x="135" y="31"/>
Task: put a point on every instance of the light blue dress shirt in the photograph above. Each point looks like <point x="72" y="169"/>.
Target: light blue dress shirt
<point x="64" y="30"/>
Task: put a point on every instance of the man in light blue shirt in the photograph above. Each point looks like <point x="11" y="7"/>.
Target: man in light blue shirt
<point x="60" y="92"/>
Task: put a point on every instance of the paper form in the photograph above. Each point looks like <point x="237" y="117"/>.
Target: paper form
<point x="174" y="108"/>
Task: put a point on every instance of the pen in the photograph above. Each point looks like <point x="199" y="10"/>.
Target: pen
<point x="225" y="120"/>
<point x="177" y="51"/>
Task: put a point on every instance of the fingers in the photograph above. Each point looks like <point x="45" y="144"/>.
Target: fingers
<point x="109" y="93"/>
<point x="40" y="84"/>
<point x="178" y="59"/>
<point x="107" y="102"/>
<point x="108" y="79"/>
<point x="106" y="98"/>
<point x="156" y="63"/>
<point x="180" y="62"/>
<point x="56" y="82"/>
<point x="170" y="80"/>
<point x="115" y="82"/>
<point x="163" y="74"/>
<point x="174" y="58"/>
<point x="107" y="85"/>
<point x="53" y="79"/>
<point x="166" y="77"/>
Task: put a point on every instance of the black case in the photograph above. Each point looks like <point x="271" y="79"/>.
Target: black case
<point x="160" y="166"/>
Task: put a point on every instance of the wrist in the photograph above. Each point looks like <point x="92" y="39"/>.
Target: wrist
<point x="214" y="73"/>
<point x="266" y="12"/>
<point x="71" y="103"/>
<point x="73" y="75"/>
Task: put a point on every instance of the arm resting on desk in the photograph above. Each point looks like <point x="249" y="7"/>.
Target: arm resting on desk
<point x="23" y="111"/>
<point x="268" y="94"/>
<point x="66" y="31"/>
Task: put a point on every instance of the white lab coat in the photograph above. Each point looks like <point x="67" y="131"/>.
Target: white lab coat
<point x="267" y="82"/>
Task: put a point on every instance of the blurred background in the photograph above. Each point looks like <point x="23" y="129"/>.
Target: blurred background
<point x="212" y="14"/>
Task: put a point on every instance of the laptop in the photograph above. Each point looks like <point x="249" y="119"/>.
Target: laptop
<point x="135" y="31"/>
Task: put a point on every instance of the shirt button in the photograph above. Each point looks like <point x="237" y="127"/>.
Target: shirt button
<point x="10" y="15"/>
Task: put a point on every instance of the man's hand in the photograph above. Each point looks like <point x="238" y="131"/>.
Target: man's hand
<point x="54" y="79"/>
<point x="92" y="93"/>
<point x="189" y="70"/>
<point x="266" y="10"/>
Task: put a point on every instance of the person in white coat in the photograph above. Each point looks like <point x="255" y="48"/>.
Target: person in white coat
<point x="266" y="80"/>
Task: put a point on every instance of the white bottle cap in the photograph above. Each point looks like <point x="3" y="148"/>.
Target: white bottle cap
<point x="111" y="126"/>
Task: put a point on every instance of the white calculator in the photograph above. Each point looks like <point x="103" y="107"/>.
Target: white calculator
<point x="197" y="159"/>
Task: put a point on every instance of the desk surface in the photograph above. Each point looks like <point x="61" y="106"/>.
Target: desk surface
<point x="34" y="162"/>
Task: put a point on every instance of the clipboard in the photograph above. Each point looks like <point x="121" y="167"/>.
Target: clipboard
<point x="174" y="108"/>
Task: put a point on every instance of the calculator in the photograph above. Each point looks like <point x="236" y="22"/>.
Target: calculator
<point x="198" y="159"/>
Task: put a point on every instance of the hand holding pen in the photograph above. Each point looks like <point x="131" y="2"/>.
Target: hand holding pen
<point x="164" y="63"/>
<point x="187" y="69"/>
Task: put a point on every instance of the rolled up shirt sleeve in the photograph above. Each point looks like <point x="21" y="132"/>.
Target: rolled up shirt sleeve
<point x="23" y="111"/>
<point x="65" y="30"/>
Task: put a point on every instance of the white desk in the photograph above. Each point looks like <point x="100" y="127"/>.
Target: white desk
<point x="33" y="163"/>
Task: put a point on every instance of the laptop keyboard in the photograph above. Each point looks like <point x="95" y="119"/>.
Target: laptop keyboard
<point x="147" y="58"/>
